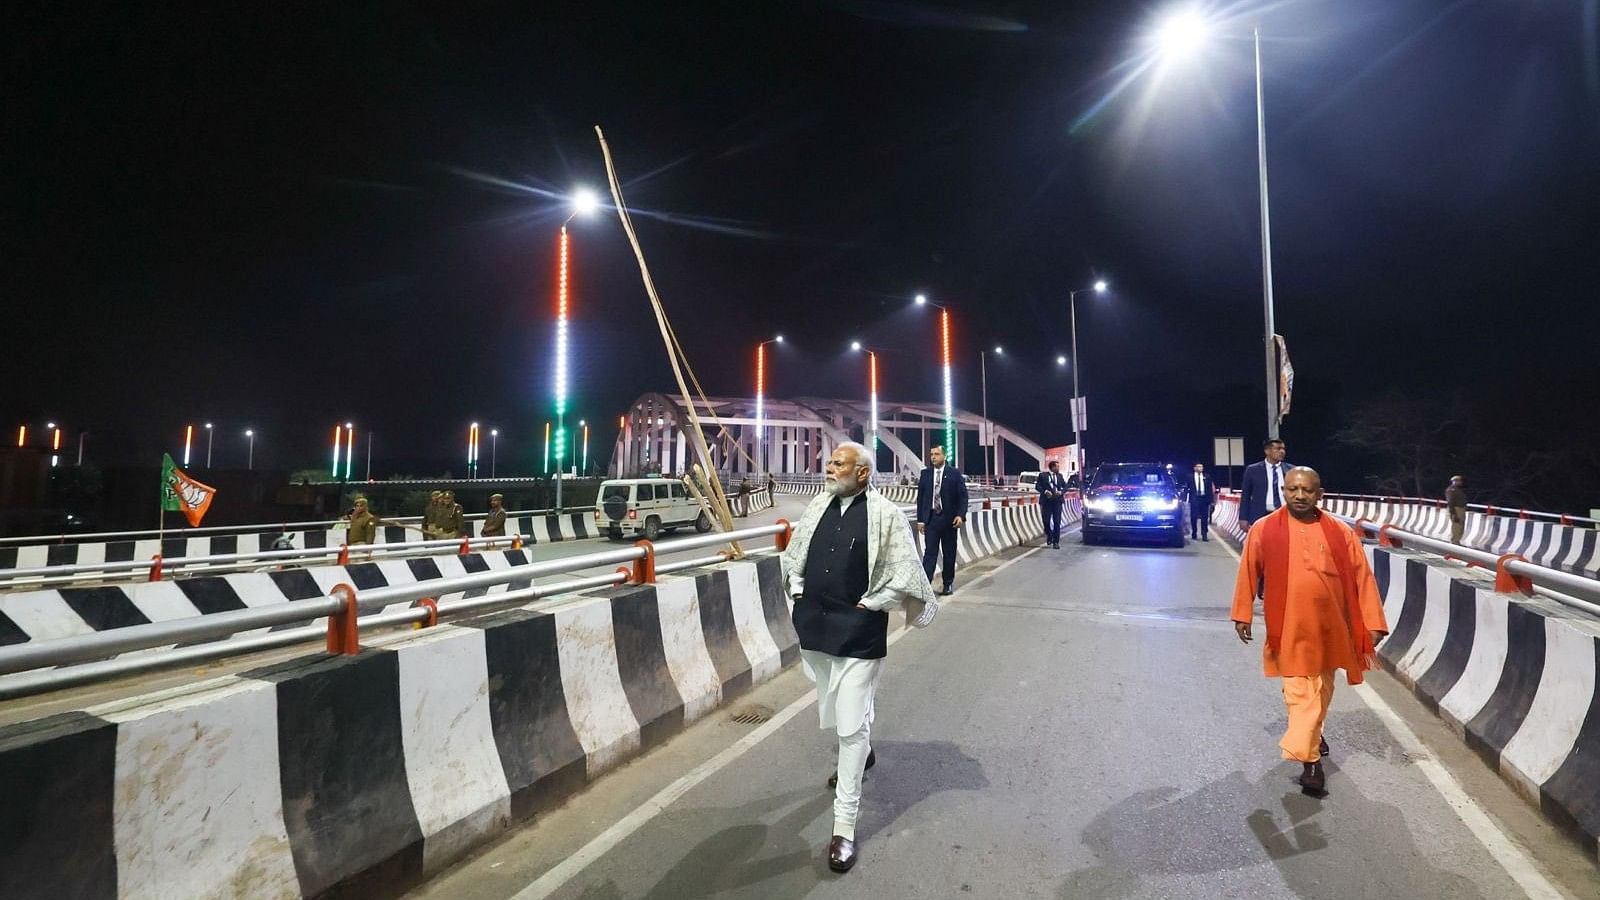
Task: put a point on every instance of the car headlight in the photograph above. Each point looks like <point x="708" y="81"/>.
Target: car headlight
<point x="1102" y="504"/>
<point x="1154" y="504"/>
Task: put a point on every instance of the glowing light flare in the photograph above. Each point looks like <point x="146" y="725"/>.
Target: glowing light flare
<point x="188" y="442"/>
<point x="22" y="435"/>
<point x="55" y="440"/>
<point x="585" y="202"/>
<point x="1181" y="34"/>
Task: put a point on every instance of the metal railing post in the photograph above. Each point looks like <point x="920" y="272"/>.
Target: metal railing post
<point x="155" y="567"/>
<point x="1507" y="581"/>
<point x="644" y="568"/>
<point x="344" y="635"/>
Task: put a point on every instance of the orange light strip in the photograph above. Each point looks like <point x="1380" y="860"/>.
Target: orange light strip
<point x="872" y="365"/>
<point x="55" y="443"/>
<point x="761" y="368"/>
<point x="944" y="331"/>
<point x="188" y="441"/>
<point x="22" y="435"/>
<point x="338" y="438"/>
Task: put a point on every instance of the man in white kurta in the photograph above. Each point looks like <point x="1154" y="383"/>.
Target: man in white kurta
<point x="851" y="559"/>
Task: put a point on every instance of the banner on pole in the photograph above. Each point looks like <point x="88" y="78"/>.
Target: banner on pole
<point x="179" y="492"/>
<point x="1285" y="377"/>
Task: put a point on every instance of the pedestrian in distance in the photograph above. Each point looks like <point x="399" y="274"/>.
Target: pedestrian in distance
<point x="1262" y="491"/>
<point x="1455" y="501"/>
<point x="941" y="511"/>
<point x="851" y="559"/>
<point x="431" y="516"/>
<point x="1052" y="497"/>
<point x="494" y="524"/>
<point x="1321" y="608"/>
<point x="1201" y="493"/>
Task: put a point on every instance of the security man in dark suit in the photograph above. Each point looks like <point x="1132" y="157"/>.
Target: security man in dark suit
<point x="1052" y="496"/>
<point x="941" y="509"/>
<point x="1200" y="494"/>
<point x="1263" y="483"/>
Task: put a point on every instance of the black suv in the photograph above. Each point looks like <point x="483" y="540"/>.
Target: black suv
<point x="1132" y="500"/>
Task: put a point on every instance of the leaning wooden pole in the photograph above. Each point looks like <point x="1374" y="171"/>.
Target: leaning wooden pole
<point x="716" y="498"/>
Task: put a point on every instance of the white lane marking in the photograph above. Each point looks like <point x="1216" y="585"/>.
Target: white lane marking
<point x="1004" y="566"/>
<point x="1527" y="873"/>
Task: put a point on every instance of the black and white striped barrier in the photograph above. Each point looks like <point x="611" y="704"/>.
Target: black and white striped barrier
<point x="361" y="774"/>
<point x="1515" y="676"/>
<point x="535" y="529"/>
<point x="1568" y="547"/>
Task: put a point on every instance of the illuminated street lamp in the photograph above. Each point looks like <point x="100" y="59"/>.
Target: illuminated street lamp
<point x="55" y="445"/>
<point x="350" y="448"/>
<point x="210" y="441"/>
<point x="1079" y="407"/>
<point x="983" y="370"/>
<point x="584" y="203"/>
<point x="1178" y="37"/>
<point x="761" y="402"/>
<point x="250" y="458"/>
<point x="585" y="426"/>
<point x="872" y="394"/>
<point x="494" y="450"/>
<point x="944" y="363"/>
<point x="472" y="450"/>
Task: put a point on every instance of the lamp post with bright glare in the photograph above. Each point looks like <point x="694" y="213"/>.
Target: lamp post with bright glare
<point x="494" y="451"/>
<point x="1179" y="36"/>
<point x="584" y="203"/>
<point x="761" y="402"/>
<point x="1080" y="408"/>
<point x="950" y="448"/>
<point x="250" y="454"/>
<point x="211" y="437"/>
<point x="349" y="449"/>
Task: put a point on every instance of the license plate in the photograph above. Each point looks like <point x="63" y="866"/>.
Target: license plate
<point x="1130" y="518"/>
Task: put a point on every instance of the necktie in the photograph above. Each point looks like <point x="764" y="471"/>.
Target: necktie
<point x="1277" y="488"/>
<point x="938" y="479"/>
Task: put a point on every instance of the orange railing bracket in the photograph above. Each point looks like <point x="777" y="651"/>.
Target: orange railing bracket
<point x="344" y="635"/>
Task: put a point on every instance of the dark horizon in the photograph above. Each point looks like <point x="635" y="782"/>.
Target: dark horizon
<point x="283" y="220"/>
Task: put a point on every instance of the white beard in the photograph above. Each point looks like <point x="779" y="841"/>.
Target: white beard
<point x="841" y="489"/>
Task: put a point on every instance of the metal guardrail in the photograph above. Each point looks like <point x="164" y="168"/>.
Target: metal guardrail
<point x="272" y="528"/>
<point x="157" y="566"/>
<point x="1513" y="572"/>
<point x="24" y="664"/>
<point x="1485" y="508"/>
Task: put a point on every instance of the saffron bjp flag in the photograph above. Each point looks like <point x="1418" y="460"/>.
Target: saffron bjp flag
<point x="1285" y="378"/>
<point x="180" y="492"/>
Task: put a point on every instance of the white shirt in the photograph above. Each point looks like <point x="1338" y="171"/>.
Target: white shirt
<point x="1274" y="477"/>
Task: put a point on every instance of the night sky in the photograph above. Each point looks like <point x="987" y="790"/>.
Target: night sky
<point x="289" y="217"/>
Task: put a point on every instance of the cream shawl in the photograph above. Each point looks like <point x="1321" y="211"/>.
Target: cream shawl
<point x="894" y="570"/>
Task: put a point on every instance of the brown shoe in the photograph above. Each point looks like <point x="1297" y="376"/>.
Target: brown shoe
<point x="872" y="759"/>
<point x="1312" y="780"/>
<point x="841" y="854"/>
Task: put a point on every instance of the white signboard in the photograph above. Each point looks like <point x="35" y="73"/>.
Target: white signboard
<point x="1080" y="414"/>
<point x="1228" y="451"/>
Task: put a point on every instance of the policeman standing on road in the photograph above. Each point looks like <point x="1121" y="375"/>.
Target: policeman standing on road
<point x="452" y="518"/>
<point x="494" y="524"/>
<point x="363" y="524"/>
<point x="430" y="516"/>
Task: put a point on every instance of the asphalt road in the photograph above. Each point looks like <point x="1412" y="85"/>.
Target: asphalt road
<point x="1080" y="723"/>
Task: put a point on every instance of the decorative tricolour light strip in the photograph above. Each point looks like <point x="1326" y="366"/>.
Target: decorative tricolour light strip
<point x="949" y="406"/>
<point x="22" y="435"/>
<point x="872" y="384"/>
<point x="349" y="449"/>
<point x="761" y="404"/>
<point x="561" y="351"/>
<point x="188" y="442"/>
<point x="547" y="448"/>
<point x="338" y="442"/>
<point x="472" y="449"/>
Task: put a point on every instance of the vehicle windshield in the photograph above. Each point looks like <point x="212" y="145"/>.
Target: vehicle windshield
<point x="1131" y="476"/>
<point x="614" y="492"/>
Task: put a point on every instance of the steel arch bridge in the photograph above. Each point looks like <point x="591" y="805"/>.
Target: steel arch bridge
<point x="798" y="435"/>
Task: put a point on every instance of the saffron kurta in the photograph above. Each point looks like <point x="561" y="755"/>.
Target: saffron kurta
<point x="1316" y="633"/>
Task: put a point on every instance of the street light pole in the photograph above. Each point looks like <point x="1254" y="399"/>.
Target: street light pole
<point x="210" y="439"/>
<point x="983" y="376"/>
<point x="1077" y="400"/>
<point x="250" y="457"/>
<point x="1266" y="252"/>
<point x="494" y="451"/>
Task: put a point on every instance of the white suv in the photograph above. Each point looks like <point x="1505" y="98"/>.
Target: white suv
<point x="647" y="506"/>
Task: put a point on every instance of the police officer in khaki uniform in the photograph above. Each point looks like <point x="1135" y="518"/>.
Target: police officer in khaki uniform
<point x="430" y="517"/>
<point x="494" y="524"/>
<point x="363" y="524"/>
<point x="452" y="518"/>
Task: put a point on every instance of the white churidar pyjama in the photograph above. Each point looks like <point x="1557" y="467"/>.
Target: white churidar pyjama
<point x="845" y="688"/>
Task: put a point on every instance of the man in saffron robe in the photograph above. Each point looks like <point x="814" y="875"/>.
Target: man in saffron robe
<point x="1322" y="611"/>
